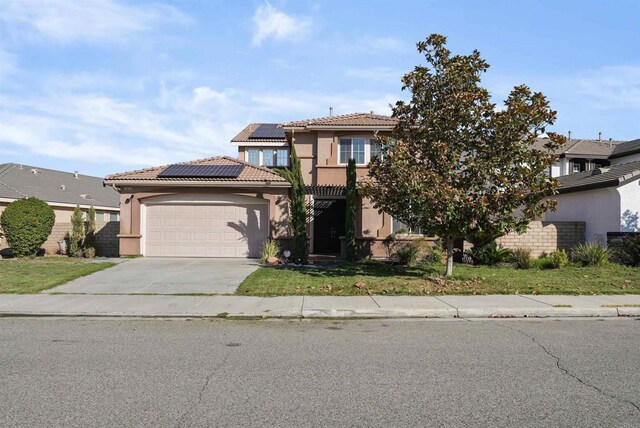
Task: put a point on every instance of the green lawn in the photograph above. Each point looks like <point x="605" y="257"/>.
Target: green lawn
<point x="382" y="279"/>
<point x="41" y="273"/>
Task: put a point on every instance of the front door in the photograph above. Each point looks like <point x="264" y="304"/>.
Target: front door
<point x="328" y="225"/>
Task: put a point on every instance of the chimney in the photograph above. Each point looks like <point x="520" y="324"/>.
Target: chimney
<point x="330" y="111"/>
<point x="610" y="142"/>
<point x="569" y="135"/>
<point x="599" y="136"/>
<point x="371" y="111"/>
<point x="75" y="174"/>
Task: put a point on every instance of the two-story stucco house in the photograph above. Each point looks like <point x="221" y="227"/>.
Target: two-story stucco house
<point x="225" y="207"/>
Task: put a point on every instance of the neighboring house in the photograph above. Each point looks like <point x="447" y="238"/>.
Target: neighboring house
<point x="224" y="207"/>
<point x="606" y="198"/>
<point x="579" y="155"/>
<point x="63" y="191"/>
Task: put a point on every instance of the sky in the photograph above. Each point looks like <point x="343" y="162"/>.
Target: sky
<point x="106" y="86"/>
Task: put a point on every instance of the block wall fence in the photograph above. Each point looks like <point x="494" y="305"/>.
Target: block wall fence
<point x="547" y="236"/>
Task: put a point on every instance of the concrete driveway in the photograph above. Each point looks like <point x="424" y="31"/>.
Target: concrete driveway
<point x="164" y="276"/>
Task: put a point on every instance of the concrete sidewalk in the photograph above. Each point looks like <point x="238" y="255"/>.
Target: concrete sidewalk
<point x="492" y="306"/>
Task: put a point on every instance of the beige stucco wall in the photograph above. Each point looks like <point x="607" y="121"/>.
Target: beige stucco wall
<point x="130" y="222"/>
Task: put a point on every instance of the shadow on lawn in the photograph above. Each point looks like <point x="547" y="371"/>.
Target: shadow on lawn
<point x="345" y="269"/>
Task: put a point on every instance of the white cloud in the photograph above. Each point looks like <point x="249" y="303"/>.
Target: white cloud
<point x="67" y="21"/>
<point x="612" y="86"/>
<point x="272" y="23"/>
<point x="8" y="63"/>
<point x="376" y="74"/>
<point x="302" y="105"/>
<point x="179" y="122"/>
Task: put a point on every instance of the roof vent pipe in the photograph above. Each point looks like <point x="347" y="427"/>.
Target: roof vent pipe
<point x="330" y="111"/>
<point x="599" y="136"/>
<point x="569" y="135"/>
<point x="62" y="187"/>
<point x="75" y="174"/>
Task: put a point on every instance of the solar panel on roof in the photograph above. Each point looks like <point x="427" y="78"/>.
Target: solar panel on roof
<point x="268" y="130"/>
<point x="202" y="171"/>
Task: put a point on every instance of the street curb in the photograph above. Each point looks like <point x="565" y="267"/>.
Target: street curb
<point x="484" y="313"/>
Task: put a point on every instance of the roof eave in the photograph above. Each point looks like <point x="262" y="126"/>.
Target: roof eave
<point x="623" y="154"/>
<point x="185" y="183"/>
<point x="600" y="185"/>
<point x="259" y="143"/>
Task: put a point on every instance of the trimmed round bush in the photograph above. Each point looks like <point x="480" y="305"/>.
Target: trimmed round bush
<point x="26" y="224"/>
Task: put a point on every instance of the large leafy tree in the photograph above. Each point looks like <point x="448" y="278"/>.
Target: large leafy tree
<point x="457" y="165"/>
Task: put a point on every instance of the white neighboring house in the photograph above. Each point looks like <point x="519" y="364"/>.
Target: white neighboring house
<point x="607" y="198"/>
<point x="579" y="155"/>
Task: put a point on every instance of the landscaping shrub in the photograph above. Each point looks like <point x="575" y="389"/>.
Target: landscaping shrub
<point x="390" y="245"/>
<point x="270" y="250"/>
<point x="559" y="259"/>
<point x="27" y="223"/>
<point x="543" y="262"/>
<point x="435" y="253"/>
<point x="89" y="247"/>
<point x="591" y="254"/>
<point x="522" y="258"/>
<point x="627" y="252"/>
<point x="76" y="245"/>
<point x="489" y="254"/>
<point x="408" y="254"/>
<point x="350" y="215"/>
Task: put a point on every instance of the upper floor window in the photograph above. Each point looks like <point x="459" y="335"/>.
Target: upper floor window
<point x="360" y="149"/>
<point x="282" y="157"/>
<point x="375" y="151"/>
<point x="253" y="156"/>
<point x="268" y="157"/>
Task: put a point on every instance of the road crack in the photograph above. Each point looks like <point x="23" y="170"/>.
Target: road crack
<point x="568" y="373"/>
<point x="203" y="389"/>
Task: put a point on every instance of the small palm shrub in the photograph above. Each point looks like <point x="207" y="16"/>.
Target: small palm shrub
<point x="408" y="254"/>
<point x="591" y="254"/>
<point x="270" y="250"/>
<point x="26" y="224"/>
<point x="559" y="259"/>
<point x="627" y="252"/>
<point x="521" y="258"/>
<point x="489" y="254"/>
<point x="435" y="253"/>
<point x="390" y="245"/>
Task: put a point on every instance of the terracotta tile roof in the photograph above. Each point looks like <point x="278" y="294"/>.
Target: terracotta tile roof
<point x="243" y="136"/>
<point x="352" y="119"/>
<point x="249" y="173"/>
<point x="612" y="176"/>
<point x="626" y="149"/>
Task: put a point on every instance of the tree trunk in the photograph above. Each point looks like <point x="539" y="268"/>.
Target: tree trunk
<point x="449" y="257"/>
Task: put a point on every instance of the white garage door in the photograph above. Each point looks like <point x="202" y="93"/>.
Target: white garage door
<point x="205" y="230"/>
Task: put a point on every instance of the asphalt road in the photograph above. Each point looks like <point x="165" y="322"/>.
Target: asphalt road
<point x="156" y="373"/>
